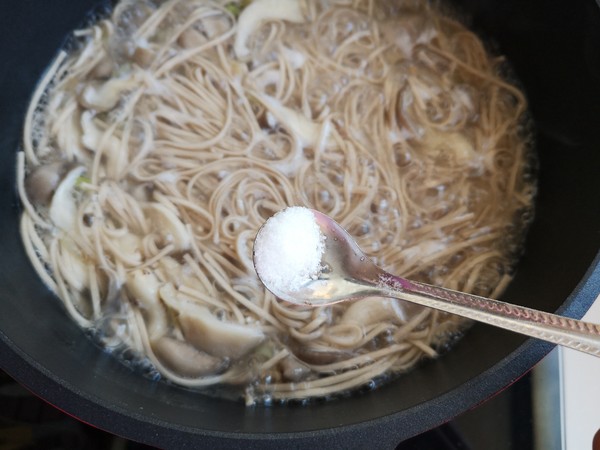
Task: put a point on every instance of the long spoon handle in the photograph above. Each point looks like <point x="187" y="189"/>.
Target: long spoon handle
<point x="575" y="334"/>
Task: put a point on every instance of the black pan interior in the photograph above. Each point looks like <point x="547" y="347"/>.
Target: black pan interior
<point x="554" y="48"/>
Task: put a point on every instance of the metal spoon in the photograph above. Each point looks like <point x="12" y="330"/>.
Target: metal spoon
<point x="349" y="274"/>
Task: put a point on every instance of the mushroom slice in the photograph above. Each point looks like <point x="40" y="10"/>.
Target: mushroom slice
<point x="260" y="11"/>
<point x="216" y="25"/>
<point x="207" y="333"/>
<point x="130" y="245"/>
<point x="191" y="38"/>
<point x="310" y="134"/>
<point x="42" y="181"/>
<point x="104" y="68"/>
<point x="318" y="357"/>
<point x="184" y="359"/>
<point x="294" y="370"/>
<point x="91" y="133"/>
<point x="452" y="145"/>
<point x="173" y="271"/>
<point x="91" y="139"/>
<point x="67" y="133"/>
<point x="143" y="286"/>
<point x="63" y="208"/>
<point x="104" y="96"/>
<point x="73" y="268"/>
<point x="165" y="222"/>
<point x="180" y="274"/>
<point x="374" y="311"/>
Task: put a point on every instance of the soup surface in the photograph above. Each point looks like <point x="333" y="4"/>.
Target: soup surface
<point x="156" y="147"/>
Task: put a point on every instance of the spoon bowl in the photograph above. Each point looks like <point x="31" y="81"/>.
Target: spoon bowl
<point x="348" y="274"/>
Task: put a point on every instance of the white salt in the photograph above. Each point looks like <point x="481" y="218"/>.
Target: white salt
<point x="288" y="249"/>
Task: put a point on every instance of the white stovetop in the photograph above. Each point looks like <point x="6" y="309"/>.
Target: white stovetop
<point x="580" y="393"/>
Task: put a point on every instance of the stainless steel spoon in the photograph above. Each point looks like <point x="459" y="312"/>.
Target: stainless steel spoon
<point x="349" y="274"/>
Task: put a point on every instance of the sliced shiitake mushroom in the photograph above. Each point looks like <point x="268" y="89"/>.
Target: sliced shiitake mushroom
<point x="42" y="181"/>
<point x="184" y="359"/>
<point x="374" y="311"/>
<point x="143" y="286"/>
<point x="217" y="337"/>
<point x="318" y="356"/>
<point x="63" y="207"/>
<point x="260" y="11"/>
<point x="166" y="223"/>
<point x="293" y="370"/>
<point x="103" y="96"/>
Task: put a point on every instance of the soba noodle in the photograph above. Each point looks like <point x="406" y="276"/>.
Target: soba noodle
<point x="155" y="150"/>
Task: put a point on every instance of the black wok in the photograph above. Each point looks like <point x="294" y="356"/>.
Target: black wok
<point x="554" y="47"/>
